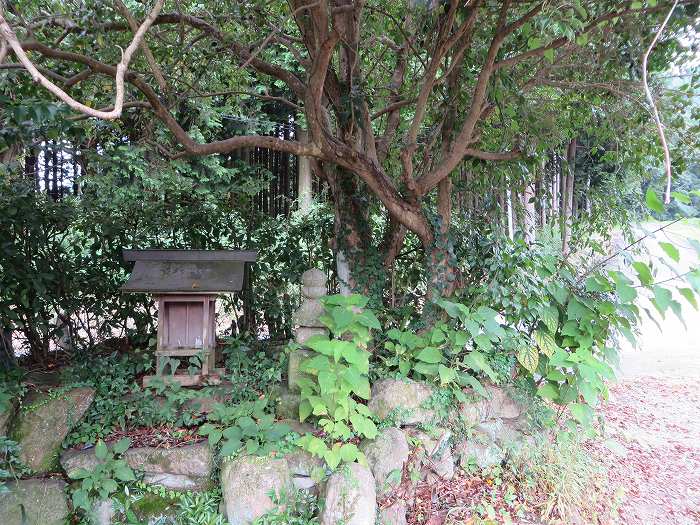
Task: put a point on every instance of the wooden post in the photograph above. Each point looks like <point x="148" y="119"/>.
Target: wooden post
<point x="304" y="184"/>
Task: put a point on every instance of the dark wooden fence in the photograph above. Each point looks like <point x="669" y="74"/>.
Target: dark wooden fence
<point x="55" y="169"/>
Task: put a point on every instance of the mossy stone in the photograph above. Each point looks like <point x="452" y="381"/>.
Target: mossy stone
<point x="43" y="424"/>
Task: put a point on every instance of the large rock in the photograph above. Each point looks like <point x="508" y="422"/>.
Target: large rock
<point x="246" y="484"/>
<point x="296" y="357"/>
<point x="507" y="434"/>
<point x="43" y="500"/>
<point x="402" y="400"/>
<point x="474" y="453"/>
<point x="385" y="455"/>
<point x="286" y="403"/>
<point x="102" y="512"/>
<point x="497" y="405"/>
<point x="395" y="514"/>
<point x="350" y="497"/>
<point x="306" y="469"/>
<point x="45" y="422"/>
<point x="436" y="451"/>
<point x="180" y="468"/>
<point x="6" y="417"/>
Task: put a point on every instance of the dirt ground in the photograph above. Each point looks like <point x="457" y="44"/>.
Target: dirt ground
<point x="652" y="441"/>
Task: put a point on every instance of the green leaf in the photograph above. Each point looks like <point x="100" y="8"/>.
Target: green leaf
<point x="230" y="447"/>
<point x="109" y="485"/>
<point x="477" y="362"/>
<point x="304" y="409"/>
<point x="575" y="310"/>
<point x="550" y="317"/>
<point x="368" y="319"/>
<point x="430" y="354"/>
<point x="232" y="433"/>
<point x="214" y="436"/>
<point x="348" y="452"/>
<point x="625" y="292"/>
<point x="447" y="375"/>
<point x="546" y="342"/>
<point x="124" y="473"/>
<point x="662" y="298"/>
<point x="80" y="473"/>
<point x="549" y="55"/>
<point x="528" y="357"/>
<point x="582" y="413"/>
<point x="670" y="250"/>
<point x="683" y="198"/>
<point x="689" y="296"/>
<point x="643" y="272"/>
<point x="548" y="391"/>
<point x="358" y="382"/>
<point x="121" y="446"/>
<point x="653" y="202"/>
<point x="471" y="381"/>
<point x="101" y="451"/>
<point x="342" y="317"/>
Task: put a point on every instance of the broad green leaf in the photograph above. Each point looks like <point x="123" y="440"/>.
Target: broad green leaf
<point x="597" y="283"/>
<point x="101" y="451"/>
<point x="670" y="250"/>
<point x="575" y="310"/>
<point x="643" y="272"/>
<point x="662" y="298"/>
<point x="368" y="319"/>
<point x="582" y="413"/>
<point x="550" y="317"/>
<point x="342" y="317"/>
<point x="214" y="436"/>
<point x="332" y="456"/>
<point x="548" y="391"/>
<point x="689" y="296"/>
<point x="430" y="354"/>
<point x="447" y="375"/>
<point x="653" y="202"/>
<point x="348" y="452"/>
<point x="358" y="382"/>
<point x="121" y="446"/>
<point x="477" y="362"/>
<point x="230" y="447"/>
<point x="305" y="409"/>
<point x="124" y="473"/>
<point x="427" y="369"/>
<point x="528" y="357"/>
<point x="681" y="197"/>
<point x="546" y="342"/>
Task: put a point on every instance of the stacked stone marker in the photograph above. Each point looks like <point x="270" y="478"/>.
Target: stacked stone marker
<point x="306" y="320"/>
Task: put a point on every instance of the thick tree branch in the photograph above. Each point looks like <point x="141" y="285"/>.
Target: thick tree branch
<point x="157" y="73"/>
<point x="654" y="109"/>
<point x="8" y="35"/>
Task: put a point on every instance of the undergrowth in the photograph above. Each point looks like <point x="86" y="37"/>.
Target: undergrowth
<point x="563" y="482"/>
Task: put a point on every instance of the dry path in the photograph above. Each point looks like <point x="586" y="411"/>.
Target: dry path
<point x="652" y="442"/>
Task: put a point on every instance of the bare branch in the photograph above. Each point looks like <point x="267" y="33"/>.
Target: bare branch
<point x="654" y="109"/>
<point x="146" y="50"/>
<point x="9" y="35"/>
<point x="3" y="50"/>
<point x="269" y="37"/>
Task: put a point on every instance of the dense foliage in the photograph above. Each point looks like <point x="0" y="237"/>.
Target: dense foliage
<point x="482" y="173"/>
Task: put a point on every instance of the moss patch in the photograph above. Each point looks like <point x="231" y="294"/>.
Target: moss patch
<point x="153" y="505"/>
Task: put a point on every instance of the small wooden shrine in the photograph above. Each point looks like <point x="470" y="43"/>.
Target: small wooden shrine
<point x="185" y="284"/>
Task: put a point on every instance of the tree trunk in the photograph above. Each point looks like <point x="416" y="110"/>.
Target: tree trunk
<point x="442" y="272"/>
<point x="529" y="212"/>
<point x="568" y="196"/>
<point x="359" y="264"/>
